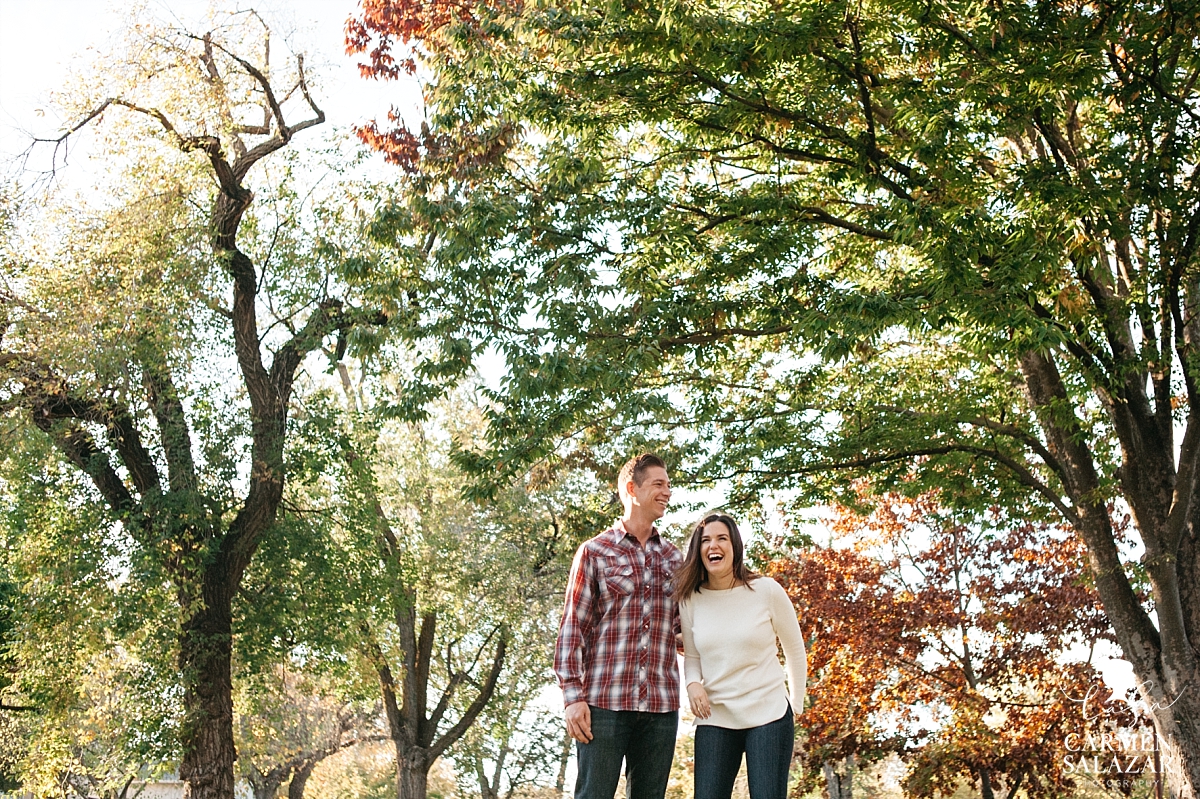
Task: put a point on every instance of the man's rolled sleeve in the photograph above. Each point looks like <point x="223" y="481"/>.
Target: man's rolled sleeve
<point x="574" y="628"/>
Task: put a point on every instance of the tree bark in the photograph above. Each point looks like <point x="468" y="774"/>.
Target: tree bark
<point x="412" y="774"/>
<point x="205" y="649"/>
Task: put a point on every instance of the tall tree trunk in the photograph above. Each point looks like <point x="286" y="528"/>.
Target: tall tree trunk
<point x="1179" y="741"/>
<point x="1163" y="656"/>
<point x="205" y="649"/>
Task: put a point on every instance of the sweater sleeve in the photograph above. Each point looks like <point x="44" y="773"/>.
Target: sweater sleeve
<point x="691" y="657"/>
<point x="787" y="629"/>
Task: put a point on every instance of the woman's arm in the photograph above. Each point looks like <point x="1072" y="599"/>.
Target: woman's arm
<point x="787" y="629"/>
<point x="693" y="675"/>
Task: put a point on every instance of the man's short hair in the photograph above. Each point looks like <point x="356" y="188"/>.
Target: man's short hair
<point x="635" y="470"/>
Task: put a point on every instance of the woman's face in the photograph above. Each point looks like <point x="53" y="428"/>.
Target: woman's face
<point x="716" y="551"/>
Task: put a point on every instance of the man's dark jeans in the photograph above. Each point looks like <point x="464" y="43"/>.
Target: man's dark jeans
<point x="644" y="741"/>
<point x="768" y="757"/>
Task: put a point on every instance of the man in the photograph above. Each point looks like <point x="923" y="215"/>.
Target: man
<point x="615" y="656"/>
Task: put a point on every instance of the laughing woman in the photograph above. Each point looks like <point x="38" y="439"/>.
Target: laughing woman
<point x="731" y="620"/>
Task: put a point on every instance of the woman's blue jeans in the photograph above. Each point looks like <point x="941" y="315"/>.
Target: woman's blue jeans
<point x="644" y="741"/>
<point x="768" y="751"/>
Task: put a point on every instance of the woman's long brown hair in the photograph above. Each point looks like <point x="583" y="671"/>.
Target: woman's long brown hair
<point x="693" y="574"/>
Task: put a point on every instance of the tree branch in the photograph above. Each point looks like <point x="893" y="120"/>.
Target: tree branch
<point x="482" y="698"/>
<point x="81" y="450"/>
<point x="168" y="411"/>
<point x="418" y="677"/>
<point x="121" y="431"/>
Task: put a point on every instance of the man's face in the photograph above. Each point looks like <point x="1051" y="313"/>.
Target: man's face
<point x="654" y="494"/>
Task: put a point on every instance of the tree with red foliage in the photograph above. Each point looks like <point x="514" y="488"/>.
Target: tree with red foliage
<point x="392" y="33"/>
<point x="925" y="621"/>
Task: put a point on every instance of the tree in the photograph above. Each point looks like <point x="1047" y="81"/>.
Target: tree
<point x="118" y="346"/>
<point x="442" y="601"/>
<point x="288" y="723"/>
<point x="954" y="244"/>
<point x="514" y="747"/>
<point x="927" y="621"/>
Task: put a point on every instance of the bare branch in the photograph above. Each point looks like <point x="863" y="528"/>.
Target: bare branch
<point x="476" y="707"/>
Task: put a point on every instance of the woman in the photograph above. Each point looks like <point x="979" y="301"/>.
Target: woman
<point x="731" y="619"/>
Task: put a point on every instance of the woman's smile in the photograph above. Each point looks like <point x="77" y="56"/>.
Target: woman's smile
<point x="716" y="552"/>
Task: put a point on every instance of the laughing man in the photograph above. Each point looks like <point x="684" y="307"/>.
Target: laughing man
<point x="615" y="656"/>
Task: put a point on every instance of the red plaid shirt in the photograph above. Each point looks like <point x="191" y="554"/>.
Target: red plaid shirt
<point x="616" y="642"/>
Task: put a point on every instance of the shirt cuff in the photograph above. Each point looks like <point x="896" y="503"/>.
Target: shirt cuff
<point x="572" y="693"/>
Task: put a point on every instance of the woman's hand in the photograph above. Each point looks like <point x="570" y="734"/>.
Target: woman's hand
<point x="699" y="700"/>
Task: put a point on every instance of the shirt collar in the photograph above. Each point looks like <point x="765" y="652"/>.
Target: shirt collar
<point x="619" y="532"/>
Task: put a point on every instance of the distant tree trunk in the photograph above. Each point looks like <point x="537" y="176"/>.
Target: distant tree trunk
<point x="415" y="735"/>
<point x="489" y="788"/>
<point x="300" y="780"/>
<point x="985" y="784"/>
<point x="839" y="786"/>
<point x="560" y="784"/>
<point x="411" y="725"/>
<point x="266" y="786"/>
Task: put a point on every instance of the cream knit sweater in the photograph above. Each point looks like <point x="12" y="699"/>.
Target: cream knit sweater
<point x="729" y="647"/>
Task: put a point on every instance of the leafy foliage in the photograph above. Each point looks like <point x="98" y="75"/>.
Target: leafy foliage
<point x="385" y="574"/>
<point x="944" y="246"/>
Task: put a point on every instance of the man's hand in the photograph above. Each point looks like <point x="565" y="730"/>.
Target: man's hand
<point x="579" y="721"/>
<point x="698" y="697"/>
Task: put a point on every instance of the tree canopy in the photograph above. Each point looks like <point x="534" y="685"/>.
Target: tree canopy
<point x="943" y="244"/>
